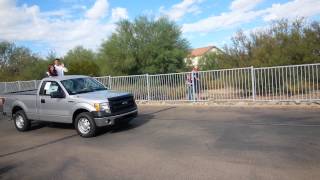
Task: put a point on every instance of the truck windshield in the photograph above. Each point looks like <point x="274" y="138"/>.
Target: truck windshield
<point x="82" y="85"/>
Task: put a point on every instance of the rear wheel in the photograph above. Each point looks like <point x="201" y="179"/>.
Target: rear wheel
<point x="21" y="121"/>
<point x="85" y="125"/>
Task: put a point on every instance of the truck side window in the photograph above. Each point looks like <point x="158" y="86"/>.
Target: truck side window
<point x="49" y="87"/>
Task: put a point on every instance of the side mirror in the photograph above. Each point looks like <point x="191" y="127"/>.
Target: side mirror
<point x="57" y="95"/>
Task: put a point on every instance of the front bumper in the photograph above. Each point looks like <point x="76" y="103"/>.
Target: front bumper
<point x="111" y="120"/>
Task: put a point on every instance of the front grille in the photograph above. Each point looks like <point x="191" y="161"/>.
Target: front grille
<point x="121" y="104"/>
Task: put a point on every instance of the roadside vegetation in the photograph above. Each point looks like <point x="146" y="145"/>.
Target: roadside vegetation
<point x="157" y="46"/>
<point x="282" y="43"/>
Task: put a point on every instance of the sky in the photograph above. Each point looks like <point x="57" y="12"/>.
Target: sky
<point x="47" y="26"/>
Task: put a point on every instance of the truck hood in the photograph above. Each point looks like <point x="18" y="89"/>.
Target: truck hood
<point x="99" y="96"/>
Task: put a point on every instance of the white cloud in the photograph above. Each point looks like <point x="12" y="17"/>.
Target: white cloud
<point x="60" y="13"/>
<point x="98" y="10"/>
<point x="177" y="11"/>
<point x="244" y="5"/>
<point x="52" y="28"/>
<point x="221" y="21"/>
<point x="293" y="9"/>
<point x="242" y="11"/>
<point x="119" y="13"/>
<point x="7" y="4"/>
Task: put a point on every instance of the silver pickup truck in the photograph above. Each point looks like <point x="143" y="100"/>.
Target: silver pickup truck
<point x="80" y="100"/>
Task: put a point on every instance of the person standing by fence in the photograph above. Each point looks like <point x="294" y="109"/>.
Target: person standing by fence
<point x="189" y="87"/>
<point x="196" y="82"/>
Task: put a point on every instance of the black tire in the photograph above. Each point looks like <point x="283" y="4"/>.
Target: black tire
<point x="85" y="116"/>
<point x="21" y="122"/>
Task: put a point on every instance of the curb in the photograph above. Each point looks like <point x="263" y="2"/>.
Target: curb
<point x="308" y="105"/>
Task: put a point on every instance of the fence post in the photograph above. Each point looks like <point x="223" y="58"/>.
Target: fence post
<point x="110" y="82"/>
<point x="19" y="86"/>
<point x="35" y="84"/>
<point x="193" y="88"/>
<point x="5" y="87"/>
<point x="148" y="86"/>
<point x="253" y="82"/>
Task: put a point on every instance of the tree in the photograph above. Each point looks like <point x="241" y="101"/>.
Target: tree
<point x="209" y="61"/>
<point x="81" y="61"/>
<point x="52" y="55"/>
<point x="16" y="63"/>
<point x="144" y="46"/>
<point x="6" y="50"/>
<point x="283" y="43"/>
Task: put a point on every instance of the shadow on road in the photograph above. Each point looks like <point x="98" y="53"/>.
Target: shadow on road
<point x="38" y="146"/>
<point x="135" y="123"/>
<point x="5" y="169"/>
<point x="41" y="124"/>
<point x="161" y="110"/>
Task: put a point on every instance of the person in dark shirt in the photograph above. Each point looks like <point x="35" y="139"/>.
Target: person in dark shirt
<point x="196" y="82"/>
<point x="189" y="86"/>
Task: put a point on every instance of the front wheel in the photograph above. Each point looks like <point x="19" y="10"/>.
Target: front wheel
<point x="85" y="125"/>
<point x="21" y="121"/>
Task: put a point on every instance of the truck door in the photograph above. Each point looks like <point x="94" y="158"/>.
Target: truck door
<point x="52" y="109"/>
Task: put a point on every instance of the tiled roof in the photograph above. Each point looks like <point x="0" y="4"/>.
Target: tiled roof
<point x="200" y="51"/>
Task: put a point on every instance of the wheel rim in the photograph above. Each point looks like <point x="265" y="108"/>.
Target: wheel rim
<point x="84" y="126"/>
<point x="19" y="121"/>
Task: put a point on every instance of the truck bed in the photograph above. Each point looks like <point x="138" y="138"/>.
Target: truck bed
<point x="28" y="98"/>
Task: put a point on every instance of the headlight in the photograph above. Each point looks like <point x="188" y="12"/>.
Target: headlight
<point x="102" y="107"/>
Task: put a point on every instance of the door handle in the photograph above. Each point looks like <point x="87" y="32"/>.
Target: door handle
<point x="43" y="101"/>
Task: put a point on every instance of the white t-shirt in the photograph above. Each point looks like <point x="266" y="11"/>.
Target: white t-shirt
<point x="60" y="70"/>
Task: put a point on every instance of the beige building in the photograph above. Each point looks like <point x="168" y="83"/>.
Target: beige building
<point x="196" y="54"/>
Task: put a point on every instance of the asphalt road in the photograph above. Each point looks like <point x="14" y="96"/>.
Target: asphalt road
<point x="172" y="143"/>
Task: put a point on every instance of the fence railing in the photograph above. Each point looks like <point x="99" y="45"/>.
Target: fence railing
<point x="281" y="83"/>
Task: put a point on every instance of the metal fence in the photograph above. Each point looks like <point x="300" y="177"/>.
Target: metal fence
<point x="281" y="83"/>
